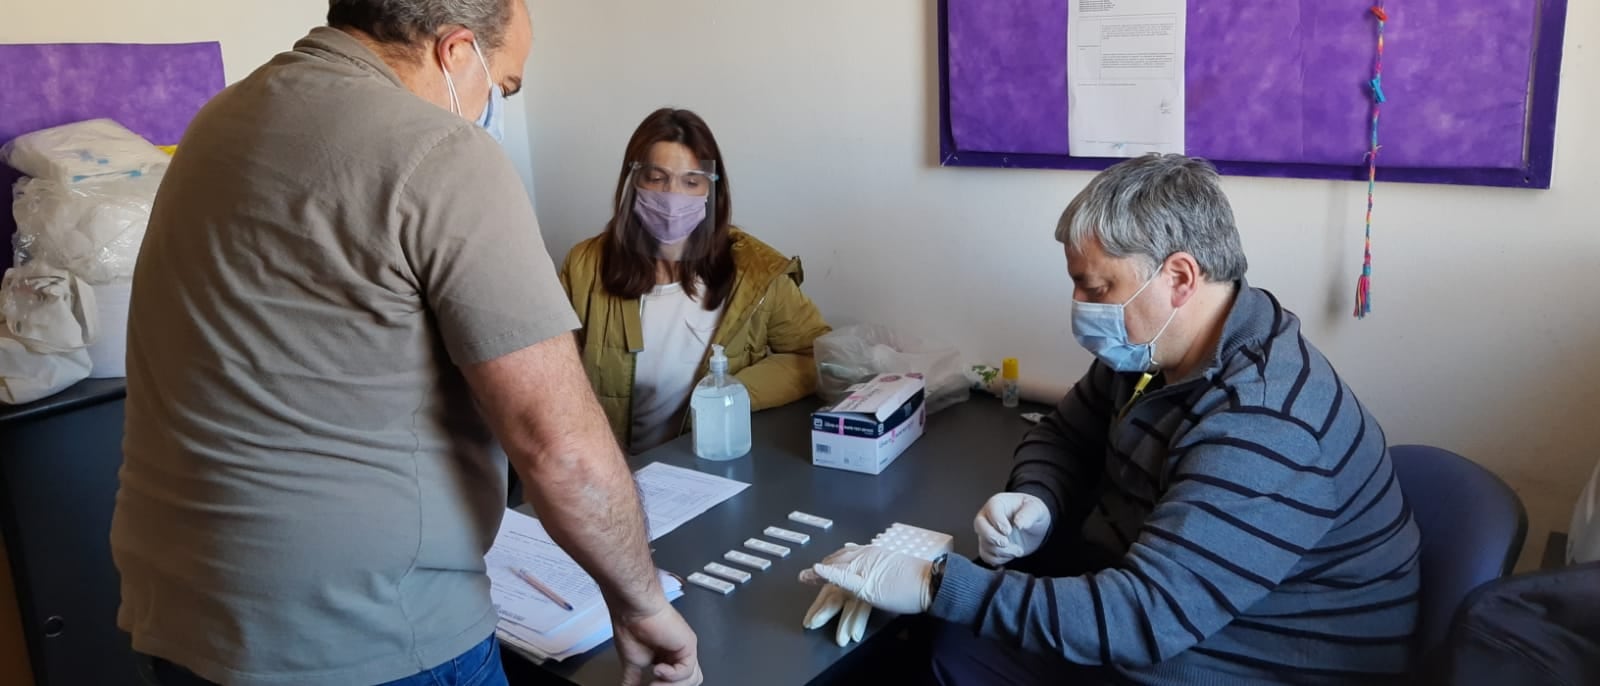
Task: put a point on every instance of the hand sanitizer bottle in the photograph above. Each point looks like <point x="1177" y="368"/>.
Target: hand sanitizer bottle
<point x="721" y="413"/>
<point x="1010" y="383"/>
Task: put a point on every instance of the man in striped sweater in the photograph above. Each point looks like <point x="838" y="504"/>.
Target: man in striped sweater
<point x="1209" y="505"/>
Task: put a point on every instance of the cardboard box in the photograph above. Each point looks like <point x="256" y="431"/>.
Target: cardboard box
<point x="866" y="431"/>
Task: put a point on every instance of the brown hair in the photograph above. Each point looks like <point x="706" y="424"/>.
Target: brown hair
<point x="627" y="265"/>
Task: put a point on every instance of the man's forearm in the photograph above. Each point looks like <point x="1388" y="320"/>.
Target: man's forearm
<point x="540" y="405"/>
<point x="1061" y="459"/>
<point x="586" y="497"/>
<point x="1060" y="463"/>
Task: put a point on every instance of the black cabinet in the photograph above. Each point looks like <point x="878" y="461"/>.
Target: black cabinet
<point x="58" y="484"/>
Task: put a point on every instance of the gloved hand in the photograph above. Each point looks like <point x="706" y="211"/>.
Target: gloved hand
<point x="1011" y="525"/>
<point x="887" y="580"/>
<point x="852" y="613"/>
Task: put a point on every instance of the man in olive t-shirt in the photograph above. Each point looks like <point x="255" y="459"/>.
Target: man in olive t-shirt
<point x="342" y="298"/>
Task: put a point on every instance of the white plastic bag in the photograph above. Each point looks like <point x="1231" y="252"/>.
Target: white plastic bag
<point x="47" y="309"/>
<point x="93" y="229"/>
<point x="92" y="150"/>
<point x="26" y="376"/>
<point x="854" y="354"/>
<point x="49" y="318"/>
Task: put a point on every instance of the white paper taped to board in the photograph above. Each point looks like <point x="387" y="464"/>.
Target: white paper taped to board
<point x="1125" y="76"/>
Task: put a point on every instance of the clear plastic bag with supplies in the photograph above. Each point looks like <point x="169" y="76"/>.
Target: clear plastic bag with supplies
<point x="854" y="354"/>
<point x="93" y="230"/>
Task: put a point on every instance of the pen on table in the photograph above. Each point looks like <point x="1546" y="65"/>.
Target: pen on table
<point x="539" y="586"/>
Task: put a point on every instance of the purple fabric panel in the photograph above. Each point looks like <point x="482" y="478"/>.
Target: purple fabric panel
<point x="1007" y="70"/>
<point x="1458" y="102"/>
<point x="1271" y="81"/>
<point x="154" y="90"/>
<point x="1340" y="42"/>
<point x="1244" y="104"/>
<point x="1453" y="102"/>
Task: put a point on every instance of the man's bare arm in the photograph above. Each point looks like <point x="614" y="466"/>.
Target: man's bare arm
<point x="539" y="403"/>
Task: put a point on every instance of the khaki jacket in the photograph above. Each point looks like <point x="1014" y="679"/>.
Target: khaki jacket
<point x="767" y="328"/>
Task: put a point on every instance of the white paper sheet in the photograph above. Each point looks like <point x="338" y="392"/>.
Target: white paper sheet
<point x="523" y="543"/>
<point x="674" y="495"/>
<point x="588" y="631"/>
<point x="1125" y="81"/>
<point x="533" y="624"/>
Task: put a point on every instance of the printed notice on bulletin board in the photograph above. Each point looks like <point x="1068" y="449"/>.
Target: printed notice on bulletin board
<point x="1125" y="82"/>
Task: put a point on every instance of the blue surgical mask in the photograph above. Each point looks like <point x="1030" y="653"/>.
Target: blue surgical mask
<point x="1102" y="329"/>
<point x="493" y="118"/>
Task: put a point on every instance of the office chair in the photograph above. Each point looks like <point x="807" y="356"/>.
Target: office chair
<point x="1472" y="525"/>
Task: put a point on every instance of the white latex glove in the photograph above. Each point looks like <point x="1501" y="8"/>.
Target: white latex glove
<point x="890" y="581"/>
<point x="1011" y="525"/>
<point x="852" y="613"/>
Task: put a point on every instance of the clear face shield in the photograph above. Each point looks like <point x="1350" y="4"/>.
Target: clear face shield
<point x="668" y="213"/>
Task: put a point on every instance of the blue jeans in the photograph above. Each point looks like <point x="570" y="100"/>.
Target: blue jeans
<point x="479" y="666"/>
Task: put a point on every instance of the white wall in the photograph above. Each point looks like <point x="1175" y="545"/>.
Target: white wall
<point x="1484" y="331"/>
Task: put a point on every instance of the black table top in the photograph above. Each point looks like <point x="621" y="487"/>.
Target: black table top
<point x="754" y="635"/>
<point x="87" y="392"/>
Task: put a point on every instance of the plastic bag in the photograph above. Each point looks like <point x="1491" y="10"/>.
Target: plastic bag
<point x="93" y="150"/>
<point x="26" y="376"/>
<point x="47" y="309"/>
<point x="49" y="318"/>
<point x="854" y="354"/>
<point x="93" y="230"/>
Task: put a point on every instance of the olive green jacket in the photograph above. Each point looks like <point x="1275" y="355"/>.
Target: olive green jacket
<point x="767" y="327"/>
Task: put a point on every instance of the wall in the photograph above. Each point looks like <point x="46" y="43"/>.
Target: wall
<point x="1483" y="331"/>
<point x="250" y="33"/>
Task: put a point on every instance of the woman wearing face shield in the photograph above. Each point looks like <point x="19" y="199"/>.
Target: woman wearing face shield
<point x="670" y="276"/>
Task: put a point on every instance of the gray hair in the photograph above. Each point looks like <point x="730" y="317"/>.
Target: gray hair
<point x="411" y="22"/>
<point x="1154" y="206"/>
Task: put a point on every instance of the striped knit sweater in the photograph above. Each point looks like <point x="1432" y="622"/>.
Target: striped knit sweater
<point x="1258" y="532"/>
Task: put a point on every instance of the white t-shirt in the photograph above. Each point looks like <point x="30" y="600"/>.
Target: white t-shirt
<point x="677" y="333"/>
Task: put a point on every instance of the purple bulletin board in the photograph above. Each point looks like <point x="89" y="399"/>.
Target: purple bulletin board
<point x="1279" y="88"/>
<point x="154" y="90"/>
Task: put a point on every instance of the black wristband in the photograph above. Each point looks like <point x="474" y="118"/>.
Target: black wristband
<point x="936" y="578"/>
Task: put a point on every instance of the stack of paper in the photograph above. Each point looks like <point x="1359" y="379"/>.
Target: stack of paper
<point x="535" y="625"/>
<point x="577" y="637"/>
<point x="531" y="622"/>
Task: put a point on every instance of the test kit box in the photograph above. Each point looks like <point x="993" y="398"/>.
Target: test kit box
<point x="866" y="431"/>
